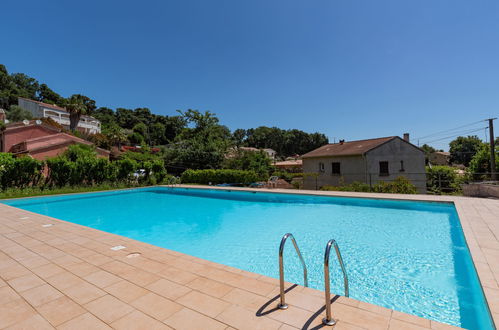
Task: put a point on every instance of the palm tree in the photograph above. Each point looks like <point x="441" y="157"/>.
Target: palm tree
<point x="76" y="108"/>
<point x="116" y="135"/>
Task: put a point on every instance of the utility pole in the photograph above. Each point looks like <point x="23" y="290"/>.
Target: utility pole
<point x="492" y="150"/>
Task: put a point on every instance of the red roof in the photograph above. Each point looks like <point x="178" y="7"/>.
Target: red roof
<point x="48" y="141"/>
<point x="350" y="148"/>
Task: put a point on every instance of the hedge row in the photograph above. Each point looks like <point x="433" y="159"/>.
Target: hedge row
<point x="219" y="176"/>
<point x="24" y="172"/>
<point x="19" y="172"/>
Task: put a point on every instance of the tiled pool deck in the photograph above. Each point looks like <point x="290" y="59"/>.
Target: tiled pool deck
<point x="66" y="276"/>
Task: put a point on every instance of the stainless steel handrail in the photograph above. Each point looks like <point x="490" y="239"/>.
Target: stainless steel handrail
<point x="328" y="320"/>
<point x="282" y="304"/>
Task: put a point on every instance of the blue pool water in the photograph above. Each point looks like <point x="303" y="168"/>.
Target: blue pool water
<point x="408" y="256"/>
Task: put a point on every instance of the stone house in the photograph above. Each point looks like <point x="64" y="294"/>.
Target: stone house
<point x="366" y="161"/>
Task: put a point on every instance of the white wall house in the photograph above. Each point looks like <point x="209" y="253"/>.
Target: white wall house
<point x="87" y="124"/>
<point x="366" y="161"/>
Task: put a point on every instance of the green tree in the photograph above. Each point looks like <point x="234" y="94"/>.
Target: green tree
<point x="203" y="145"/>
<point x="76" y="108"/>
<point x="106" y="116"/>
<point x="16" y="113"/>
<point x="157" y="131"/>
<point x="115" y="134"/>
<point x="480" y="163"/>
<point x="140" y="128"/>
<point x="463" y="149"/>
<point x="46" y="95"/>
<point x="258" y="162"/>
<point x="428" y="149"/>
<point x="136" y="138"/>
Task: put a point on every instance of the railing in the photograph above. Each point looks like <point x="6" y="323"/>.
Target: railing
<point x="434" y="182"/>
<point x="328" y="320"/>
<point x="282" y="304"/>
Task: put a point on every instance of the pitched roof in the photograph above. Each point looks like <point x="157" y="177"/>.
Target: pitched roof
<point x="46" y="105"/>
<point x="349" y="148"/>
<point x="52" y="106"/>
<point x="47" y="141"/>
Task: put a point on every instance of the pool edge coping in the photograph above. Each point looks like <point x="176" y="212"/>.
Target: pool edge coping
<point x="462" y="210"/>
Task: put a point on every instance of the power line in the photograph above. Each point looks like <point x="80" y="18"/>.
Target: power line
<point x="452" y="136"/>
<point x="449" y="130"/>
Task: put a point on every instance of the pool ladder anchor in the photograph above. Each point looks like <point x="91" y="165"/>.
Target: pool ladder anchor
<point x="328" y="320"/>
<point x="282" y="304"/>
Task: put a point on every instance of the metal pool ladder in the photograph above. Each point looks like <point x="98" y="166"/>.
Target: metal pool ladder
<point x="282" y="304"/>
<point x="328" y="320"/>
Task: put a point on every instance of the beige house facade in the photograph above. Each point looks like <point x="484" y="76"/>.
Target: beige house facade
<point x="366" y="161"/>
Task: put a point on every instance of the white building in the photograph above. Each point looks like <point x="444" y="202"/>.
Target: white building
<point x="87" y="124"/>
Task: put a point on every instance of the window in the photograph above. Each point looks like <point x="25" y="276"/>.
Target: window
<point x="336" y="168"/>
<point x="383" y="169"/>
<point x="402" y="169"/>
<point x="321" y="167"/>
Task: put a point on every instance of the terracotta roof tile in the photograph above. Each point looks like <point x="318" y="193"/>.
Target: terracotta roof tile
<point x="349" y="148"/>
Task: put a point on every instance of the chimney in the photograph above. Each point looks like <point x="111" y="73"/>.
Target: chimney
<point x="3" y="116"/>
<point x="342" y="141"/>
<point x="406" y="137"/>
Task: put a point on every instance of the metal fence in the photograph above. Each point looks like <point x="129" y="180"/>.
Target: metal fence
<point x="432" y="182"/>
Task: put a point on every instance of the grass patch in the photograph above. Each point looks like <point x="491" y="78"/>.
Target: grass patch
<point x="44" y="191"/>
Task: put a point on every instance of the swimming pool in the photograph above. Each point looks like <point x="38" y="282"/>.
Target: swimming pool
<point x="404" y="255"/>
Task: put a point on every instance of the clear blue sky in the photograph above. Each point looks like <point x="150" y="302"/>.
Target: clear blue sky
<point x="350" y="69"/>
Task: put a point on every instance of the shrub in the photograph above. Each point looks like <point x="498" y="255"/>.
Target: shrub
<point x="354" y="186"/>
<point x="19" y="172"/>
<point x="258" y="162"/>
<point x="219" y="176"/>
<point x="60" y="171"/>
<point x="158" y="170"/>
<point x="400" y="185"/>
<point x="125" y="169"/>
<point x="441" y="179"/>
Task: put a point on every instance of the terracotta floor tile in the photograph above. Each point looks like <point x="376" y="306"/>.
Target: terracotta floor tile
<point x="82" y="269"/>
<point x="210" y="287"/>
<point x="188" y="319"/>
<point x="168" y="289"/>
<point x="203" y="303"/>
<point x="156" y="306"/>
<point x="140" y="277"/>
<point x="84" y="292"/>
<point x="108" y="308"/>
<point x="176" y="275"/>
<point x="48" y="270"/>
<point x="293" y="316"/>
<point x="247" y="299"/>
<point x="14" y="312"/>
<point x="243" y="319"/>
<point x="126" y="291"/>
<point x="137" y="320"/>
<point x="411" y="319"/>
<point x="64" y="280"/>
<point x="25" y="282"/>
<point x="35" y="322"/>
<point x="60" y="310"/>
<point x="101" y="278"/>
<point x="34" y="262"/>
<point x="41" y="294"/>
<point x="84" y="322"/>
<point x="7" y="295"/>
<point x="401" y="325"/>
<point x="13" y="272"/>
